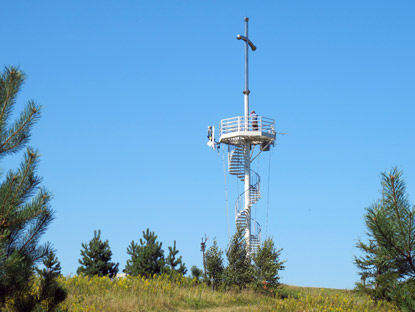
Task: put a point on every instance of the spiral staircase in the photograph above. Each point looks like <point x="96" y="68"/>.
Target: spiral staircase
<point x="242" y="212"/>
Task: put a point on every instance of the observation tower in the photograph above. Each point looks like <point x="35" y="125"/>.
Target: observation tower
<point x="242" y="135"/>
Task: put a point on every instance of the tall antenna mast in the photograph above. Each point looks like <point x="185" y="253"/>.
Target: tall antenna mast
<point x="242" y="134"/>
<point x="253" y="47"/>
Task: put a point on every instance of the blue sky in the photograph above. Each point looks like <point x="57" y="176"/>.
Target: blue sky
<point x="129" y="88"/>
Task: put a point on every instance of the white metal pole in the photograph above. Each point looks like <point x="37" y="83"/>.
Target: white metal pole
<point x="247" y="144"/>
<point x="246" y="91"/>
<point x="247" y="209"/>
<point x="247" y="147"/>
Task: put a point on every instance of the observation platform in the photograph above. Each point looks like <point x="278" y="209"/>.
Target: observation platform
<point x="256" y="130"/>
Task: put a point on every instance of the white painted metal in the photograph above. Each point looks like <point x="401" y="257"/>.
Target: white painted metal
<point x="243" y="219"/>
<point x="248" y="129"/>
<point x="247" y="147"/>
<point x="247" y="208"/>
<point x="242" y="133"/>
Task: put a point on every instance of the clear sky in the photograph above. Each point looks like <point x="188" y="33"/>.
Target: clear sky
<point x="129" y="88"/>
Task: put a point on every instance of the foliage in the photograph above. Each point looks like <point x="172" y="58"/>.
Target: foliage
<point x="96" y="257"/>
<point x="239" y="271"/>
<point x="25" y="212"/>
<point x="402" y="293"/>
<point x="172" y="262"/>
<point x="214" y="265"/>
<point x="377" y="273"/>
<point x="387" y="267"/>
<point x="163" y="293"/>
<point x="196" y="272"/>
<point x="50" y="292"/>
<point x="267" y="264"/>
<point x="147" y="258"/>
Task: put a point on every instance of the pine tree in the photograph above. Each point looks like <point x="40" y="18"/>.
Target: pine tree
<point x="196" y="272"/>
<point x="214" y="265"/>
<point x="388" y="262"/>
<point x="267" y="264"/>
<point x="96" y="257"/>
<point x="147" y="258"/>
<point x="172" y="262"/>
<point x="51" y="293"/>
<point x="377" y="273"/>
<point x="25" y="211"/>
<point x="239" y="271"/>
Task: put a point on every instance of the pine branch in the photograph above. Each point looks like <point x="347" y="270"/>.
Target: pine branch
<point x="28" y="213"/>
<point x="22" y="177"/>
<point x="20" y="132"/>
<point x="29" y="166"/>
<point x="10" y="83"/>
<point x="9" y="187"/>
<point x="37" y="229"/>
<point x="398" y="251"/>
<point x="395" y="203"/>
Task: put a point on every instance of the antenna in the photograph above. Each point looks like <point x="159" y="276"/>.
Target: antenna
<point x="253" y="47"/>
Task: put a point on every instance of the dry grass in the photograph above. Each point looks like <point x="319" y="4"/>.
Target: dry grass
<point x="182" y="294"/>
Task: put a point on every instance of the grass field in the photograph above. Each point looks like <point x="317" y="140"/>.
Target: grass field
<point x="183" y="294"/>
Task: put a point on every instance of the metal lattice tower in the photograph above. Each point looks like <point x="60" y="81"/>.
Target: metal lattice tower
<point x="241" y="134"/>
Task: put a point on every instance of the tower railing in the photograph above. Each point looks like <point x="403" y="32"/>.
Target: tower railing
<point x="240" y="123"/>
<point x="255" y="237"/>
<point x="242" y="212"/>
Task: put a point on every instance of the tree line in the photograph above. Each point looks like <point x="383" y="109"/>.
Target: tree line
<point x="260" y="270"/>
<point x="147" y="258"/>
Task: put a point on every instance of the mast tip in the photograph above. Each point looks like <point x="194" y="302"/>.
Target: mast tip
<point x="246" y="19"/>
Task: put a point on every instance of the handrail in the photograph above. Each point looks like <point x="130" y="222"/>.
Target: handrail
<point x="255" y="182"/>
<point x="257" y="228"/>
<point x="255" y="185"/>
<point x="252" y="123"/>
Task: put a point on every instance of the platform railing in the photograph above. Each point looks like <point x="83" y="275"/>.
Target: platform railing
<point x="240" y="123"/>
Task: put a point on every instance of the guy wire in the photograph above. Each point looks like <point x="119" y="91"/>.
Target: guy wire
<point x="269" y="178"/>
<point x="226" y="192"/>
